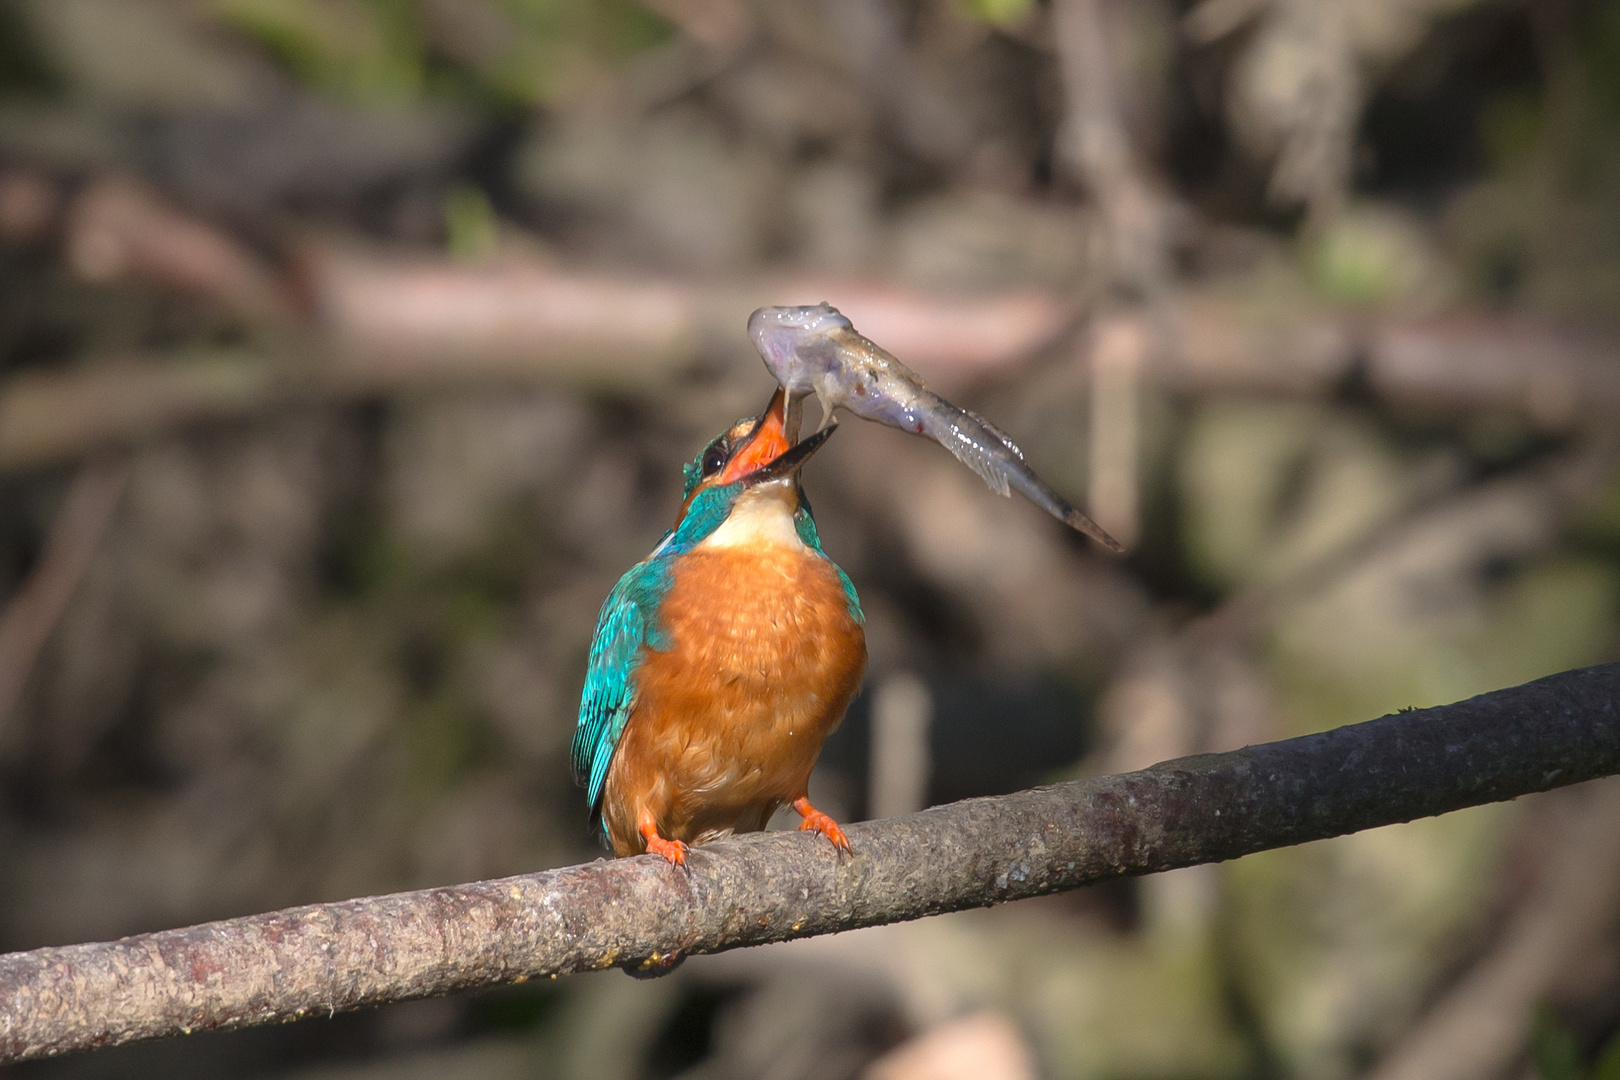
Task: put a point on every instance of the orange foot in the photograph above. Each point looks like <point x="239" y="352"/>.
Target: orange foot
<point x="673" y="850"/>
<point x="816" y="821"/>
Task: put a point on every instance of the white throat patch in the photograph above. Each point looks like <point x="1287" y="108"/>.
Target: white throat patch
<point x="762" y="517"/>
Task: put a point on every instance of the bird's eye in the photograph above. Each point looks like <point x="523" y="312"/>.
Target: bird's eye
<point x="714" y="458"/>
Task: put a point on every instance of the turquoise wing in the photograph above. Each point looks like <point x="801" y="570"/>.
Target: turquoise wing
<point x="627" y="624"/>
<point x="630" y="623"/>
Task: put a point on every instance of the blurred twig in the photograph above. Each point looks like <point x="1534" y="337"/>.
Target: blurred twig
<point x="1172" y="699"/>
<point x="1118" y="355"/>
<point x="1547" y="490"/>
<point x="406" y="319"/>
<point x="1097" y="148"/>
<point x="871" y="33"/>
<point x="723" y="25"/>
<point x="32" y="613"/>
<point x="413" y="324"/>
<point x="773" y="887"/>
<point x="1482" y="1026"/>
<point x="388" y="326"/>
<point x="365" y="324"/>
<point x="118" y="228"/>
<point x="47" y="417"/>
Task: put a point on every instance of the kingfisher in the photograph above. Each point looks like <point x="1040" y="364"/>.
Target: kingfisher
<point x="723" y="660"/>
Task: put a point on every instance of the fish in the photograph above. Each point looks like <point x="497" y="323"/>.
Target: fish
<point x="816" y="351"/>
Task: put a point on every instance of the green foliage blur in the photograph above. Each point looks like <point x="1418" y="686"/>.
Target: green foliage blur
<point x="1557" y="1055"/>
<point x="393" y="52"/>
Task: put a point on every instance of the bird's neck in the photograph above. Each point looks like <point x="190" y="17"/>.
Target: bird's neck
<point x="762" y="517"/>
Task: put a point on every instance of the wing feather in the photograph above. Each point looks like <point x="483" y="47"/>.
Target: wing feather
<point x="625" y="626"/>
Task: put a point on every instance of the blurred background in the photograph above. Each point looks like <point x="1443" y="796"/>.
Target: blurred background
<point x="350" y="349"/>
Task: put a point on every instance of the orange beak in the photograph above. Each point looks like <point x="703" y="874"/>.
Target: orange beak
<point x="765" y="444"/>
<point x="764" y="455"/>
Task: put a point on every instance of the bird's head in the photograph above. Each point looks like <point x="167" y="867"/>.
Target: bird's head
<point x="750" y="461"/>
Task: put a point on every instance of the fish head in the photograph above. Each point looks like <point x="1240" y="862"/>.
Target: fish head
<point x="798" y="342"/>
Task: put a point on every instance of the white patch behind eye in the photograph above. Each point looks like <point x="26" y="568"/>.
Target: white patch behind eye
<point x="761" y="517"/>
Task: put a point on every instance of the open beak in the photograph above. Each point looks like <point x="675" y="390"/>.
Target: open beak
<point x="767" y="453"/>
<point x="791" y="460"/>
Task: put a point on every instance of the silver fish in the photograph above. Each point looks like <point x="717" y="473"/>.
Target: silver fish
<point x="817" y="351"/>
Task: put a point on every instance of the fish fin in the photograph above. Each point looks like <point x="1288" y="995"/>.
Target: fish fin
<point x="1006" y="440"/>
<point x="989" y="469"/>
<point x="975" y="447"/>
<point x="792" y="417"/>
<point x="827" y="408"/>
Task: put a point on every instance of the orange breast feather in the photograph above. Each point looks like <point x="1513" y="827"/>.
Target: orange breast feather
<point x="729" y="722"/>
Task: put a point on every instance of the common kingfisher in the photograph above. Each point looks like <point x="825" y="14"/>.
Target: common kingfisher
<point x="723" y="660"/>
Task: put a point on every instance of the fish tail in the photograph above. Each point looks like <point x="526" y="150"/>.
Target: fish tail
<point x="1038" y="493"/>
<point x="988" y="451"/>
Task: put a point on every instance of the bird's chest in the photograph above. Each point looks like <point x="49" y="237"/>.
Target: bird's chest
<point x="759" y="629"/>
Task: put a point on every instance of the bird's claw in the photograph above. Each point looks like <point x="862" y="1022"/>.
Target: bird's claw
<point x="816" y="821"/>
<point x="673" y="850"/>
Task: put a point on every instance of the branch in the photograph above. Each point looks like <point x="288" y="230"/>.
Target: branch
<point x="398" y="319"/>
<point x="773" y="887"/>
<point x="118" y="228"/>
<point x="383" y="327"/>
<point x="391" y="329"/>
